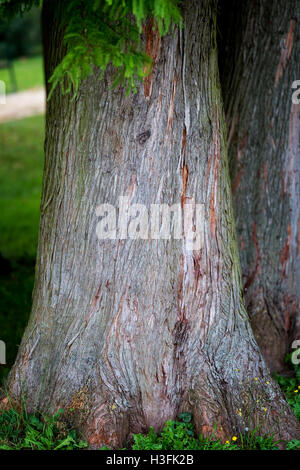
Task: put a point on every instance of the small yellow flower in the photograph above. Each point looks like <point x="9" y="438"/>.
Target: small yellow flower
<point x="268" y="383"/>
<point x="113" y="406"/>
<point x="227" y="442"/>
<point x="296" y="391"/>
<point x="256" y="379"/>
<point x="298" y="386"/>
<point x="234" y="438"/>
<point x="265" y="410"/>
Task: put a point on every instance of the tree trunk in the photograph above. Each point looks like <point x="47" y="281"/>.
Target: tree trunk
<point x="259" y="62"/>
<point x="130" y="332"/>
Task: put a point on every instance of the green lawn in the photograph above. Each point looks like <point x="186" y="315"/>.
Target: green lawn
<point x="21" y="164"/>
<point x="29" y="74"/>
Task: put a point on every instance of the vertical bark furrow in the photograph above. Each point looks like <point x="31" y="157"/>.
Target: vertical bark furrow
<point x="259" y="62"/>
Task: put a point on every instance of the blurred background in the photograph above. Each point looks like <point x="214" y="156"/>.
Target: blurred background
<point x="21" y="166"/>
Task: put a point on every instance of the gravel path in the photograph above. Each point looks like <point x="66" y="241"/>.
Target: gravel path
<point x="23" y="104"/>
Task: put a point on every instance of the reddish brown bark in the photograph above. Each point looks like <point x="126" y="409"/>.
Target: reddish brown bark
<point x="128" y="333"/>
<point x="259" y="64"/>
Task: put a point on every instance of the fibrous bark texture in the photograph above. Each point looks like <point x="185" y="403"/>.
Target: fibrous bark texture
<point x="129" y="332"/>
<point x="259" y="54"/>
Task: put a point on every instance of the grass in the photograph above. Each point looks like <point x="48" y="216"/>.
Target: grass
<point x="180" y="435"/>
<point x="29" y="74"/>
<point x="20" y="430"/>
<point x="21" y="163"/>
<point x="291" y="388"/>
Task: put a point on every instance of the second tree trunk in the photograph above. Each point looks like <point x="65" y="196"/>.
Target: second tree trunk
<point x="260" y="47"/>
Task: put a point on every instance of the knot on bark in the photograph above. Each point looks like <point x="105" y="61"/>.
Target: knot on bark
<point x="143" y="137"/>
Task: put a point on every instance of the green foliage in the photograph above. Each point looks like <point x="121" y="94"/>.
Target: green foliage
<point x="20" y="430"/>
<point x="174" y="436"/>
<point x="293" y="445"/>
<point x="102" y="32"/>
<point x="291" y="387"/>
<point x="253" y="441"/>
<point x="180" y="435"/>
<point x="10" y="8"/>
